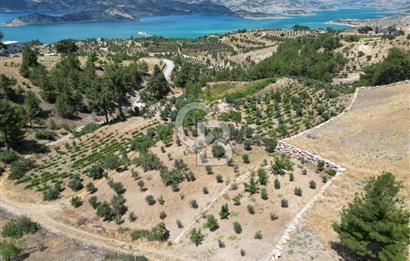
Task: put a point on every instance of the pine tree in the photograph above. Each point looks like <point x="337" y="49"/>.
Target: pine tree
<point x="224" y="213"/>
<point x="252" y="187"/>
<point x="373" y="225"/>
<point x="11" y="123"/>
<point x="31" y="107"/>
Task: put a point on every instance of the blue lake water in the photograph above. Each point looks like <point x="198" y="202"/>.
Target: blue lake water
<point x="175" y="26"/>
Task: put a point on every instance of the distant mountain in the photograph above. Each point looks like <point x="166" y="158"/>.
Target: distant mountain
<point x="167" y="7"/>
<point x="109" y="14"/>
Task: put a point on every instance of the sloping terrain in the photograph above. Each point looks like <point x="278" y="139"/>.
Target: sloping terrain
<point x="370" y="138"/>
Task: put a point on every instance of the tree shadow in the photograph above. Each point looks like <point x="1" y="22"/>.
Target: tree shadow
<point x="346" y="254"/>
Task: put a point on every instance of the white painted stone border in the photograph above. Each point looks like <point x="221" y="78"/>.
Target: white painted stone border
<point x="287" y="148"/>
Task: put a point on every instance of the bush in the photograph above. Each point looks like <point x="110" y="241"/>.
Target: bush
<point x="111" y="162"/>
<point x="193" y="204"/>
<point x="75" y="183"/>
<point x="237" y="227"/>
<point x="264" y="194"/>
<point x="171" y="178"/>
<point x="212" y="223"/>
<point x="209" y="170"/>
<point x="105" y="211"/>
<point x="148" y="161"/>
<point x="218" y="151"/>
<point x="9" y="250"/>
<point x="20" y="167"/>
<point x="157" y="233"/>
<point x="251" y="209"/>
<point x="224" y="213"/>
<point x="291" y="177"/>
<point x="45" y="135"/>
<point x="179" y="224"/>
<point x="221" y="244"/>
<point x="320" y="165"/>
<point x="16" y="228"/>
<point x="205" y="190"/>
<point x="150" y="200"/>
<point x="331" y="172"/>
<point x="162" y="215"/>
<point x="258" y="235"/>
<point x="52" y="193"/>
<point x="262" y="177"/>
<point x="117" y="187"/>
<point x="245" y="158"/>
<point x="196" y="237"/>
<point x="219" y="179"/>
<point x="93" y="202"/>
<point x="284" y="203"/>
<point x="243" y="252"/>
<point x="276" y="184"/>
<point x="90" y="127"/>
<point x="312" y="184"/>
<point x="8" y="157"/>
<point x="76" y="202"/>
<point x="270" y="145"/>
<point x="91" y="188"/>
<point x="298" y="191"/>
<point x="247" y="145"/>
<point x="273" y="216"/>
<point x="96" y="172"/>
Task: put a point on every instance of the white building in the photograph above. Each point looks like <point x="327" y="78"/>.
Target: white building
<point x="11" y="47"/>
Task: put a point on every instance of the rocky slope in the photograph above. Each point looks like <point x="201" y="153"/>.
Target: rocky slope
<point x="109" y="14"/>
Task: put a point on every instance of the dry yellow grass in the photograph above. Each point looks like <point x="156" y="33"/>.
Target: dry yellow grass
<point x="374" y="136"/>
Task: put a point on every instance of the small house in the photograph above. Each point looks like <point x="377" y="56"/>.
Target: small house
<point x="11" y="47"/>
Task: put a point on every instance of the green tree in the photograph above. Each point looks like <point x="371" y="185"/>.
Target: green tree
<point x="11" y="123"/>
<point x="29" y="60"/>
<point x="212" y="223"/>
<point x="374" y="226"/>
<point x="9" y="250"/>
<point x="66" y="46"/>
<point x="157" y="85"/>
<point x="196" y="237"/>
<point x="31" y="106"/>
<point x="6" y="86"/>
<point x="224" y="213"/>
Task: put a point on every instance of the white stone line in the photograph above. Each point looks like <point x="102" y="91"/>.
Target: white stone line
<point x="211" y="204"/>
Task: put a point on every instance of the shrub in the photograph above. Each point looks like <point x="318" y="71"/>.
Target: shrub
<point x="45" y="135"/>
<point x="9" y="250"/>
<point x="245" y="158"/>
<point x="196" y="237"/>
<point x="91" y="188"/>
<point x="264" y="194"/>
<point x="251" y="187"/>
<point x="212" y="223"/>
<point x="205" y="190"/>
<point x="193" y="204"/>
<point x="270" y="145"/>
<point x="93" y="202"/>
<point x="148" y="161"/>
<point x="312" y="184"/>
<point x="150" y="200"/>
<point x="221" y="244"/>
<point x="273" y="216"/>
<point x="96" y="172"/>
<point x="179" y="224"/>
<point x="237" y="227"/>
<point x="171" y="178"/>
<point x="158" y="233"/>
<point x="247" y="145"/>
<point x="237" y="200"/>
<point x="8" y="157"/>
<point x="284" y="203"/>
<point x="243" y="252"/>
<point x="132" y="217"/>
<point x="117" y="187"/>
<point x="324" y="179"/>
<point x="111" y="162"/>
<point x="298" y="191"/>
<point x="16" y="228"/>
<point x="180" y="164"/>
<point x="52" y="193"/>
<point x="161" y="200"/>
<point x="162" y="215"/>
<point x="258" y="235"/>
<point x="105" y="211"/>
<point x="219" y="179"/>
<point x="331" y="172"/>
<point x="262" y="177"/>
<point x="251" y="209"/>
<point x="224" y="213"/>
<point x="276" y="184"/>
<point x="320" y="165"/>
<point x="20" y="167"/>
<point x="291" y="177"/>
<point x="76" y="202"/>
<point x="75" y="183"/>
<point x="209" y="170"/>
<point x="218" y="151"/>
